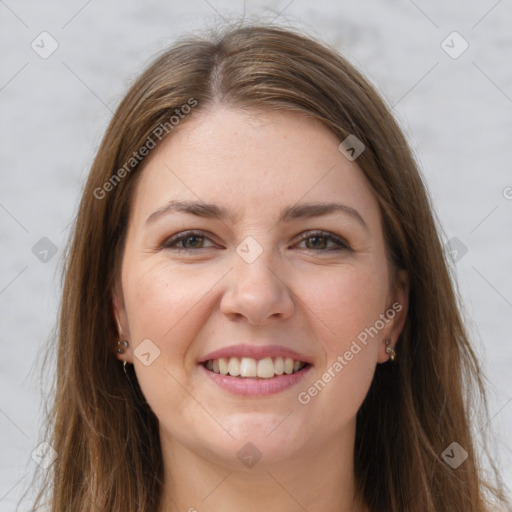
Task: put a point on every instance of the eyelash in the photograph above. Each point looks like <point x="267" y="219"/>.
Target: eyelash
<point x="342" y="245"/>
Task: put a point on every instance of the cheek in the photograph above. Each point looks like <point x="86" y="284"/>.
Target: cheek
<point x="159" y="298"/>
<point x="165" y="306"/>
<point x="346" y="302"/>
<point x="337" y="391"/>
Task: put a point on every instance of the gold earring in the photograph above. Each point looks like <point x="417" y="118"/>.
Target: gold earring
<point x="390" y="350"/>
<point x="122" y="345"/>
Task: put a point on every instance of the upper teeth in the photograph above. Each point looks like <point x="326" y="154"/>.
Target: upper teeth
<point x="248" y="367"/>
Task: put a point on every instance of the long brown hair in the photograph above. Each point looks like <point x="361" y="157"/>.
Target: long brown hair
<point x="106" y="436"/>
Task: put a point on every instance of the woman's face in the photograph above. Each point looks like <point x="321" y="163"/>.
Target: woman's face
<point x="264" y="276"/>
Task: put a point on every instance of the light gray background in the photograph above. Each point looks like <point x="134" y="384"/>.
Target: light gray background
<point x="457" y="113"/>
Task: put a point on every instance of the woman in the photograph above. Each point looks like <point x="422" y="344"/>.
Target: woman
<point x="257" y="311"/>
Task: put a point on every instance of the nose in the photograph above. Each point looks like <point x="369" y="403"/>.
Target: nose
<point x="256" y="291"/>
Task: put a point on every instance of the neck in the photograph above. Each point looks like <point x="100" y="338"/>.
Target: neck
<point x="321" y="480"/>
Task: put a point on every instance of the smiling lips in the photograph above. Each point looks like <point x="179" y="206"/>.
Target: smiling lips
<point x="255" y="363"/>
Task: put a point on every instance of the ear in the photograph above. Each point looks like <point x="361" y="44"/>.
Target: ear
<point x="121" y="320"/>
<point x="396" y="313"/>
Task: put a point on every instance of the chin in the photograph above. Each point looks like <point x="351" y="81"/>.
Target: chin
<point x="259" y="439"/>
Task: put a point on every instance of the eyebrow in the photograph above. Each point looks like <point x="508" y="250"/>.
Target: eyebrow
<point x="298" y="211"/>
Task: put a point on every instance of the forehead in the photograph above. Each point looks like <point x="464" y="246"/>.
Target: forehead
<point x="251" y="162"/>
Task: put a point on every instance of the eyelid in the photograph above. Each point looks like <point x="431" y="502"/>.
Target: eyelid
<point x="339" y="241"/>
<point x="166" y="244"/>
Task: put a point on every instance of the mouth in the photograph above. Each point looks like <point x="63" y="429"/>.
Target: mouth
<point x="251" y="368"/>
